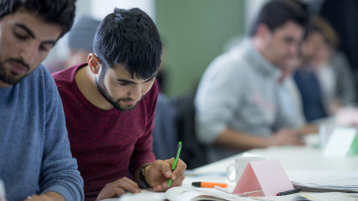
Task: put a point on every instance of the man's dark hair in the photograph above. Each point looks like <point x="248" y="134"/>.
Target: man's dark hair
<point x="129" y="38"/>
<point x="276" y="13"/>
<point x="59" y="12"/>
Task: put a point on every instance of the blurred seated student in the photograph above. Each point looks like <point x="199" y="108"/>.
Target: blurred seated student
<point x="318" y="78"/>
<point x="294" y="95"/>
<point x="110" y="103"/>
<point x="79" y="43"/>
<point x="239" y="98"/>
<point x="307" y="81"/>
<point x="332" y="69"/>
<point x="342" y="16"/>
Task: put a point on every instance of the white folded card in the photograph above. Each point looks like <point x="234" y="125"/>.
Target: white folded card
<point x="341" y="142"/>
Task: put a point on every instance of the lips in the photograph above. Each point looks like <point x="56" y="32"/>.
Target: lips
<point x="17" y="66"/>
<point x="18" y="69"/>
<point x="131" y="102"/>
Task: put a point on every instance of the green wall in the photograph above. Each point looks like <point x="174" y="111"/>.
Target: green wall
<point x="194" y="33"/>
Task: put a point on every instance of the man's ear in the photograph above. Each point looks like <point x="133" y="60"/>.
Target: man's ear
<point x="93" y="63"/>
<point x="263" y="31"/>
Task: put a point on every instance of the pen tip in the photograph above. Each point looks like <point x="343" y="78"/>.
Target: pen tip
<point x="196" y="184"/>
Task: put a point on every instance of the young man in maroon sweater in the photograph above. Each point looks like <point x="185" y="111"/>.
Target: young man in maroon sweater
<point x="109" y="105"/>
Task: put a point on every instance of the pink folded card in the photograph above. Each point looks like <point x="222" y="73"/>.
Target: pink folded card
<point x="263" y="178"/>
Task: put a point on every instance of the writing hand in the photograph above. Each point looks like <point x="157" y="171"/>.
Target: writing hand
<point x="118" y="187"/>
<point x="158" y="173"/>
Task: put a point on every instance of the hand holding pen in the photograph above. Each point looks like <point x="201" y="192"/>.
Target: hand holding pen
<point x="161" y="172"/>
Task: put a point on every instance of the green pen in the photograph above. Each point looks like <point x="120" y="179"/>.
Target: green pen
<point x="174" y="165"/>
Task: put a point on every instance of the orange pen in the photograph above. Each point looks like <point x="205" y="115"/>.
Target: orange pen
<point x="204" y="184"/>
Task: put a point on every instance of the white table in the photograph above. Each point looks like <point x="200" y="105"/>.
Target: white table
<point x="306" y="158"/>
<point x="291" y="158"/>
<point x="309" y="158"/>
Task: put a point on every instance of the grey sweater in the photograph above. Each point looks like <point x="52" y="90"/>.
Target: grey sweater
<point x="240" y="90"/>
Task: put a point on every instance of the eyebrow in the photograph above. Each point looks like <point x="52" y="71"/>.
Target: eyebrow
<point x="126" y="81"/>
<point x="21" y="26"/>
<point x="131" y="82"/>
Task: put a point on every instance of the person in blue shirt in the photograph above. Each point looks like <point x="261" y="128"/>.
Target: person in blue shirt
<point x="312" y="55"/>
<point x="36" y="162"/>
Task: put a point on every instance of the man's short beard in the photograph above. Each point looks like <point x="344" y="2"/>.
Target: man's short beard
<point x="104" y="93"/>
<point x="8" y="79"/>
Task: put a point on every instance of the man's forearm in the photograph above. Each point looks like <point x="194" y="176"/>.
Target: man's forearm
<point x="230" y="138"/>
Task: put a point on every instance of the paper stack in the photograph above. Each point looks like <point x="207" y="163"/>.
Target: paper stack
<point x="325" y="181"/>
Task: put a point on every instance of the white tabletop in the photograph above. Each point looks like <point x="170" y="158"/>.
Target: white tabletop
<point x="305" y="158"/>
<point x="308" y="157"/>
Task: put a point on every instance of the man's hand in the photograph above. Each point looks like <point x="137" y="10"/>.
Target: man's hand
<point x="286" y="137"/>
<point x="158" y="173"/>
<point x="118" y="187"/>
<point x="49" y="196"/>
<point x="38" y="198"/>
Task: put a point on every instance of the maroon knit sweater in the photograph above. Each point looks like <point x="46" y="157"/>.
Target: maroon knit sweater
<point x="108" y="144"/>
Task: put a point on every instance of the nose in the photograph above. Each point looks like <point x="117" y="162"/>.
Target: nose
<point x="28" y="52"/>
<point x="293" y="49"/>
<point x="135" y="93"/>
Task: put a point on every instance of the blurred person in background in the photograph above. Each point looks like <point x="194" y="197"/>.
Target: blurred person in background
<point x="79" y="43"/>
<point x="305" y="77"/>
<point x="332" y="68"/>
<point x="240" y="102"/>
<point x="342" y="15"/>
<point x="323" y="77"/>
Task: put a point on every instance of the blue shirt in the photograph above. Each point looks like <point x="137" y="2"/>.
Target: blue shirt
<point x="34" y="149"/>
<point x="311" y="94"/>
